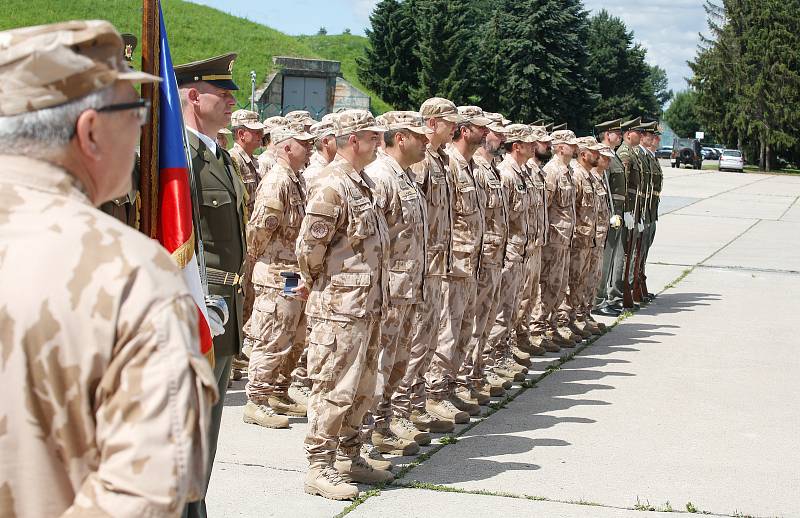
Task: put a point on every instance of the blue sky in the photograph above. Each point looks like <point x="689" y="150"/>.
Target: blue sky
<point x="666" y="28"/>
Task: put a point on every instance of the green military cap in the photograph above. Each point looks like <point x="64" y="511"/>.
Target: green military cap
<point x="649" y="127"/>
<point x="559" y="127"/>
<point x="129" y="43"/>
<point x="217" y="71"/>
<point x="632" y="125"/>
<point x="613" y="125"/>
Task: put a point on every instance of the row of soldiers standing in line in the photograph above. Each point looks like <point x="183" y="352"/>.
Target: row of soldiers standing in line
<point x="414" y="262"/>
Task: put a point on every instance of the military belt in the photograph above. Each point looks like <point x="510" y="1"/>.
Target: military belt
<point x="222" y="277"/>
<point x="618" y="197"/>
<point x="657" y="193"/>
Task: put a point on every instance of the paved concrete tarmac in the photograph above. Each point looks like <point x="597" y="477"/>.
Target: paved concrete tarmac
<point x="693" y="399"/>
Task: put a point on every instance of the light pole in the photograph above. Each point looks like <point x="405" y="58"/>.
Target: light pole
<point x="253" y="90"/>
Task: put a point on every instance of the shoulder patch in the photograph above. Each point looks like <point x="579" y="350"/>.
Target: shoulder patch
<point x="271" y="223"/>
<point x="319" y="229"/>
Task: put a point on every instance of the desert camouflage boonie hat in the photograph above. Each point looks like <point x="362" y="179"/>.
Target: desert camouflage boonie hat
<point x="273" y="122"/>
<point x="499" y="123"/>
<point x="353" y="121"/>
<point x="301" y="116"/>
<point x="589" y="143"/>
<point x="564" y="137"/>
<point x="473" y="115"/>
<point x="322" y="129"/>
<point x="224" y="131"/>
<point x="408" y="120"/>
<point x="540" y="134"/>
<point x="295" y="131"/>
<point x="49" y="65"/>
<point x="519" y="133"/>
<point x="438" y="107"/>
<point x="607" y="152"/>
<point x="246" y="118"/>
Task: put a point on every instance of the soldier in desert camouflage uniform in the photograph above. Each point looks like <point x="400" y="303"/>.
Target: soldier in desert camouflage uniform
<point x="397" y="193"/>
<point x="267" y="158"/>
<point x="324" y="149"/>
<point x="432" y="175"/>
<point x="487" y="178"/>
<point x="584" y="237"/>
<point x="555" y="255"/>
<point x="277" y="327"/>
<point x="106" y="398"/>
<point x="343" y="252"/>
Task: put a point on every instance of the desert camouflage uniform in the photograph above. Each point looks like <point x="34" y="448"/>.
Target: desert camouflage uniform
<point x="277" y="327"/>
<point x="266" y="161"/>
<point x="460" y="286"/>
<point x="106" y="398"/>
<point x="487" y="179"/>
<point x="434" y="180"/>
<point x="516" y="191"/>
<point x="555" y="255"/>
<point x="537" y="238"/>
<point x="602" y="225"/>
<point x="315" y="166"/>
<point x="342" y="252"/>
<point x="583" y="243"/>
<point x="403" y="205"/>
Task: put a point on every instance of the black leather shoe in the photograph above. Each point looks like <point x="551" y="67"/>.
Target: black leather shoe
<point x="606" y="311"/>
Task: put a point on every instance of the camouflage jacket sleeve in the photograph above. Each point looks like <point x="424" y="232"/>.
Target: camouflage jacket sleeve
<point x="152" y="409"/>
<point x="324" y="215"/>
<point x="268" y="214"/>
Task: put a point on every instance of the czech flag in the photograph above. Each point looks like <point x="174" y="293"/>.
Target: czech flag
<point x="175" y="226"/>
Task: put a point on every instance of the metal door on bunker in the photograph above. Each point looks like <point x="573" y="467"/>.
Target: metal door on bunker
<point x="305" y="93"/>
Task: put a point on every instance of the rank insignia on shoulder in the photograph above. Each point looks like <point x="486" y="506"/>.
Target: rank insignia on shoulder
<point x="319" y="229"/>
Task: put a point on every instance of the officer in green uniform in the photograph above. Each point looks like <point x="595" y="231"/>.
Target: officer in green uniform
<point x="207" y="103"/>
<point x="127" y="208"/>
<point x="610" y="134"/>
<point x="643" y="223"/>
<point x="649" y="148"/>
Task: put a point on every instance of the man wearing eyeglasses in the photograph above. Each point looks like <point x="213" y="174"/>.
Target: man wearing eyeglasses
<point x="106" y="397"/>
<point x="207" y="102"/>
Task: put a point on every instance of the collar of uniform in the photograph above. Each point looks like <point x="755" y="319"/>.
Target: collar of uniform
<point x="514" y="165"/>
<point x="394" y="164"/>
<point x="318" y="159"/>
<point x="244" y="154"/>
<point x="481" y="161"/>
<point x="210" y="143"/>
<point x="579" y="169"/>
<point x="280" y="162"/>
<point x="462" y="162"/>
<point x="346" y="167"/>
<point x="41" y="176"/>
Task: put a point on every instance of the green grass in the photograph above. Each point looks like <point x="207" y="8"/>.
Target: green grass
<point x="714" y="166"/>
<point x="195" y="32"/>
<point x="345" y="48"/>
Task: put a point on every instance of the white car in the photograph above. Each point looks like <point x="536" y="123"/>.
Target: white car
<point x="731" y="159"/>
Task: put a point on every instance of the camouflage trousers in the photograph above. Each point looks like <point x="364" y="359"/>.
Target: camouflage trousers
<point x="552" y="287"/>
<point x="507" y="305"/>
<point x="277" y="330"/>
<point x="343" y="366"/>
<point x="530" y="291"/>
<point x="393" y="359"/>
<point x="486" y="304"/>
<point x="300" y="372"/>
<point x="595" y="275"/>
<point x="455" y="333"/>
<point x="410" y="393"/>
<point x="571" y="306"/>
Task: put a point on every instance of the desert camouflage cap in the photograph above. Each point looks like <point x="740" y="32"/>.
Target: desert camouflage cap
<point x="322" y="129"/>
<point x="295" y="131"/>
<point x="217" y="71"/>
<point x="330" y="117"/>
<point x="473" y="115"/>
<point x="607" y="152"/>
<point x="589" y="143"/>
<point x="408" y="120"/>
<point x="438" y="107"/>
<point x="275" y="121"/>
<point x="564" y="137"/>
<point x="48" y="65"/>
<point x="519" y="133"/>
<point x="301" y="116"/>
<point x="353" y="121"/>
<point x="499" y="123"/>
<point x="225" y="131"/>
<point x="540" y="134"/>
<point x="246" y="118"/>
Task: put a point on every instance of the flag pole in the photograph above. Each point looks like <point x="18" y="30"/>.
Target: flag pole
<point x="148" y="184"/>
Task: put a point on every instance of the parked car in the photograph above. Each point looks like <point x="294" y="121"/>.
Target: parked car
<point x="687" y="151"/>
<point x="664" y="152"/>
<point x="709" y="153"/>
<point x="731" y="159"/>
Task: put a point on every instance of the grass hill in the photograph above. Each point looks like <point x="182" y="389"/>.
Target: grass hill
<point x="197" y="32"/>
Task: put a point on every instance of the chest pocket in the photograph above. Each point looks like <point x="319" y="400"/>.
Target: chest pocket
<point x="494" y="193"/>
<point x="466" y="197"/>
<point x="588" y="195"/>
<point x="566" y="192"/>
<point x="438" y="186"/>
<point x="362" y="217"/>
<point x="519" y="197"/>
<point x="409" y="202"/>
<point x="216" y="215"/>
<point x="296" y="209"/>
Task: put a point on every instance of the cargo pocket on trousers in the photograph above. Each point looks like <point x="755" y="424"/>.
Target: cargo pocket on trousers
<point x="321" y="352"/>
<point x="401" y="285"/>
<point x="262" y="319"/>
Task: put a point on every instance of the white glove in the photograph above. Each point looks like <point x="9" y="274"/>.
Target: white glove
<point x="628" y="217"/>
<point x="640" y="227"/>
<point x="215" y="323"/>
<point x="616" y="221"/>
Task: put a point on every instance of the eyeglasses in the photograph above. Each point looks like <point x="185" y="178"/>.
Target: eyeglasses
<point x="142" y="107"/>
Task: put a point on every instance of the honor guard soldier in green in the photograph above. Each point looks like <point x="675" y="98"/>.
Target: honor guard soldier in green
<point x="127" y="208"/>
<point x="207" y="102"/>
<point x="649" y="145"/>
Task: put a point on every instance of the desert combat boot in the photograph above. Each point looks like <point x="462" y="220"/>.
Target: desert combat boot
<point x="263" y="415"/>
<point x="387" y="442"/>
<point x="427" y="423"/>
<point x="283" y="404"/>
<point x="358" y="470"/>
<point x="405" y="429"/>
<point x="444" y="410"/>
<point x="326" y="481"/>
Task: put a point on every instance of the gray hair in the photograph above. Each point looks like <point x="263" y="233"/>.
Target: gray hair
<point x="39" y="133"/>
